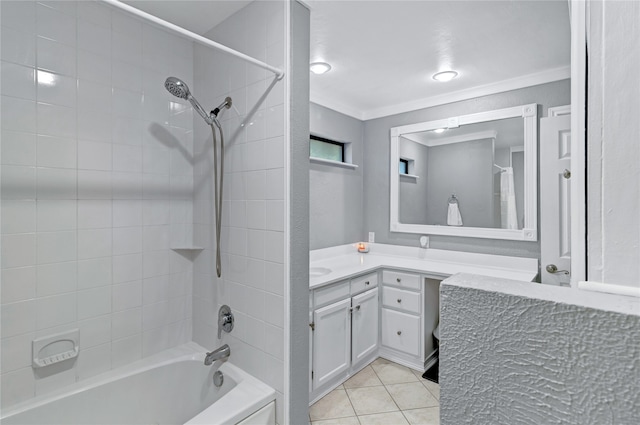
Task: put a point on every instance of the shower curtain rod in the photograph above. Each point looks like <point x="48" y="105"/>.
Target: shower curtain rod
<point x="195" y="37"/>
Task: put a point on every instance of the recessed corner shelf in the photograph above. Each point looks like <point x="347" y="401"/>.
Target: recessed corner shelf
<point x="410" y="176"/>
<point x="187" y="248"/>
<point x="333" y="163"/>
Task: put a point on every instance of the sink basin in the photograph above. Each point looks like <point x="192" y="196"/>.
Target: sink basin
<point x="318" y="271"/>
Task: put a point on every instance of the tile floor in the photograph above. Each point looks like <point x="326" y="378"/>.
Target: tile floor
<point x="383" y="393"/>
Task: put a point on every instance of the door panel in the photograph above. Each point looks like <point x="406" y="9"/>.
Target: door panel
<point x="364" y="322"/>
<point x="331" y="341"/>
<point x="555" y="198"/>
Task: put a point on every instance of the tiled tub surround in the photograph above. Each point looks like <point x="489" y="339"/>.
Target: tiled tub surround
<point x="384" y="303"/>
<point x="253" y="223"/>
<point x="97" y="176"/>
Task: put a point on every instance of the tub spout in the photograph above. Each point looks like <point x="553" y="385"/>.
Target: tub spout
<point x="220" y="353"/>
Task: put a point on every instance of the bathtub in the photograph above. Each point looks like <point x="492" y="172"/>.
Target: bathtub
<point x="172" y="387"/>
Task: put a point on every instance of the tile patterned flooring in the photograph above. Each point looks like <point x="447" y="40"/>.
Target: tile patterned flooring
<point x="383" y="393"/>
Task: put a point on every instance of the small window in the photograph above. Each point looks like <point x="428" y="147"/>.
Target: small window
<point x="403" y="167"/>
<point x="322" y="148"/>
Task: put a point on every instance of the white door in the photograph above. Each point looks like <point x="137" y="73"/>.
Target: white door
<point x="364" y="325"/>
<point x="331" y="341"/>
<point x="555" y="199"/>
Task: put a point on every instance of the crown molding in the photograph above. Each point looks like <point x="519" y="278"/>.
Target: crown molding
<point x="543" y="77"/>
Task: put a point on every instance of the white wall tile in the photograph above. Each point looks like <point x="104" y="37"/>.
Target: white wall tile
<point x="18" y="250"/>
<point x="18" y="182"/>
<point x="127" y="296"/>
<point x="126" y="350"/>
<point x="94" y="184"/>
<point x="275" y="184"/>
<point x="93" y="96"/>
<point x="18" y="216"/>
<point x="56" y="152"/>
<point x="127" y="240"/>
<point x="94" y="331"/>
<point x="94" y="126"/>
<point x="94" y="12"/>
<point x="154" y="315"/>
<point x="54" y="120"/>
<point x="155" y="289"/>
<point x="274" y="304"/>
<point x="55" y="310"/>
<point x="56" y="278"/>
<point x="56" y="247"/>
<point x="94" y="361"/>
<point x="274" y="341"/>
<point x="16" y="352"/>
<point x="274" y="278"/>
<point x="94" y="156"/>
<point x="56" y="89"/>
<point x="94" y="302"/>
<point x="127" y="185"/>
<point x="18" y="81"/>
<point x="94" y="67"/>
<point x="94" y="272"/>
<point x="18" y="148"/>
<point x="17" y="386"/>
<point x="17" y="114"/>
<point x="275" y="215"/>
<point x="93" y="38"/>
<point x="127" y="268"/>
<point x="19" y="15"/>
<point x="18" y="318"/>
<point x="56" y="215"/>
<point x="18" y="47"/>
<point x="18" y="284"/>
<point x="53" y="183"/>
<point x="127" y="213"/>
<point x="127" y="158"/>
<point x="155" y="263"/>
<point x="56" y="57"/>
<point x="126" y="323"/>
<point x="94" y="214"/>
<point x="55" y="25"/>
<point x="274" y="247"/>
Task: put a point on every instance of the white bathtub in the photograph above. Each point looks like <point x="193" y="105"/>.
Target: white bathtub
<point x="172" y="387"/>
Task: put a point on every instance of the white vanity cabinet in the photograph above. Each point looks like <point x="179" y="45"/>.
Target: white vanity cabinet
<point x="344" y="330"/>
<point x="402" y="325"/>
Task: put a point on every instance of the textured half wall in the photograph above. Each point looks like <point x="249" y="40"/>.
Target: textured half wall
<point x="521" y="353"/>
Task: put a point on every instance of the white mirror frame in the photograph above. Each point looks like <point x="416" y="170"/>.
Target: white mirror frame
<point x="530" y="231"/>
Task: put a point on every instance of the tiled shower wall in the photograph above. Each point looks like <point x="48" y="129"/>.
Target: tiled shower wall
<point x="97" y="182"/>
<point x="253" y="234"/>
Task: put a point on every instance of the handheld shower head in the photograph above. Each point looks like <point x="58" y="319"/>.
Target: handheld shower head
<point x="179" y="89"/>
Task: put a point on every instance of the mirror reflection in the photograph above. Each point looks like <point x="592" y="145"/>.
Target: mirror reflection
<point x="469" y="176"/>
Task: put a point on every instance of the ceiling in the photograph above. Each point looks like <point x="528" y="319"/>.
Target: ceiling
<point x="384" y="53"/>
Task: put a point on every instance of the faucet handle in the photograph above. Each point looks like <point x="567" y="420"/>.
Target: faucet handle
<point x="225" y="320"/>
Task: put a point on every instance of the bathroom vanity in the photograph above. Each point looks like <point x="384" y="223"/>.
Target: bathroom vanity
<point x="384" y="303"/>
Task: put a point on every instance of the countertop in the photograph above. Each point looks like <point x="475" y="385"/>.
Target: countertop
<point x="345" y="261"/>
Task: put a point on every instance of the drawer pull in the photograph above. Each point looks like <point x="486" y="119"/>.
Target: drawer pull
<point x="367" y="282"/>
<point x="399" y="300"/>
<point x="398" y="280"/>
<point x="399" y="332"/>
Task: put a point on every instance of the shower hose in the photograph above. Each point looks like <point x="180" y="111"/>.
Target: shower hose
<point x="218" y="189"/>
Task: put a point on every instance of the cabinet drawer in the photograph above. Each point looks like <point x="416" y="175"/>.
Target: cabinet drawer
<point x="405" y="280"/>
<point x="401" y="331"/>
<point x="332" y="293"/>
<point x="364" y="283"/>
<point x="401" y="299"/>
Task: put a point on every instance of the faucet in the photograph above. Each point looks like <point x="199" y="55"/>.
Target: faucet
<point x="220" y="353"/>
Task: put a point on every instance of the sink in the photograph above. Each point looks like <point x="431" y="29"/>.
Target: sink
<point x="318" y="271"/>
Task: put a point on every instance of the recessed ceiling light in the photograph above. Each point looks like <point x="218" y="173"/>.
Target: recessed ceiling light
<point x="445" y="76"/>
<point x="320" y="67"/>
<point x="439" y="130"/>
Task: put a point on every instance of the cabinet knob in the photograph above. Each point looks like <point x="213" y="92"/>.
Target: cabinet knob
<point x="398" y="280"/>
<point x="367" y="282"/>
<point x="399" y="332"/>
<point x="399" y="300"/>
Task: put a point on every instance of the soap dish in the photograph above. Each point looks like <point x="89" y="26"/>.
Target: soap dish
<point x="55" y="348"/>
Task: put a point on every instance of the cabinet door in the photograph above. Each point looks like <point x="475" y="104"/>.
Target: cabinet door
<point x="364" y="331"/>
<point x="331" y="341"/>
<point x="401" y="331"/>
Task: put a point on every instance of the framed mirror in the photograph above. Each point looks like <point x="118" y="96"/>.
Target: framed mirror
<point x="471" y="175"/>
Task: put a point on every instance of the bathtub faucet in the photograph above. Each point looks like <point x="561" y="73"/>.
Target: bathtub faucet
<point x="221" y="353"/>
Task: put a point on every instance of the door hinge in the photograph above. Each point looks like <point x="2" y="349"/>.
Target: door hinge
<point x="312" y="325"/>
<point x="312" y="375"/>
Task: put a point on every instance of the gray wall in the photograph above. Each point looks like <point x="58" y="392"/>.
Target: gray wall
<point x="518" y="353"/>
<point x="414" y="192"/>
<point x="466" y="170"/>
<point x="336" y="194"/>
<point x="298" y="74"/>
<point x="376" y="165"/>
